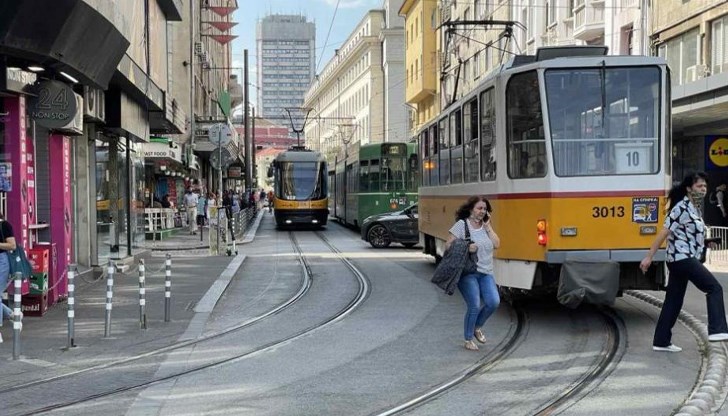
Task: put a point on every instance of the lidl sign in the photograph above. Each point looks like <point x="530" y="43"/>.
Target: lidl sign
<point x="716" y="152"/>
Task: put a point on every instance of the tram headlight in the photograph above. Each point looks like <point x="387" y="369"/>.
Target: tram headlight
<point x="541" y="232"/>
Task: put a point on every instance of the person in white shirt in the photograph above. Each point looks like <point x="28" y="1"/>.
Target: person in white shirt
<point x="191" y="199"/>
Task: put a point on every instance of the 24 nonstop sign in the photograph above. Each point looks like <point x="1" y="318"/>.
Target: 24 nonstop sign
<point x="716" y="152"/>
<point x="53" y="104"/>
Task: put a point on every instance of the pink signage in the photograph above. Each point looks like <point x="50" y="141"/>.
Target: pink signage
<point x="61" y="214"/>
<point x="19" y="155"/>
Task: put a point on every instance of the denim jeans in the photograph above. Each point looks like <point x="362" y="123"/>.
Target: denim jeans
<point x="474" y="287"/>
<point x="4" y="276"/>
<point x="681" y="272"/>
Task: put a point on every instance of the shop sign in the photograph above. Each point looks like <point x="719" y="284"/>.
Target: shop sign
<point x="716" y="152"/>
<point x="15" y="79"/>
<point x="54" y="105"/>
<point x="161" y="150"/>
<point x="235" y="172"/>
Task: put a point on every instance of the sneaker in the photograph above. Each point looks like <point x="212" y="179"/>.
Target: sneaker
<point x="669" y="348"/>
<point x="718" y="337"/>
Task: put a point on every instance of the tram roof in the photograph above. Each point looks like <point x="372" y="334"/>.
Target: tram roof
<point x="576" y="56"/>
<point x="299" y="155"/>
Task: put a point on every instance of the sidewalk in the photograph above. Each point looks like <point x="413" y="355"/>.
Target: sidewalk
<point x="197" y="284"/>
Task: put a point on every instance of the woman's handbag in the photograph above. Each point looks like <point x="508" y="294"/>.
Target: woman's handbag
<point x="18" y="260"/>
<point x="471" y="259"/>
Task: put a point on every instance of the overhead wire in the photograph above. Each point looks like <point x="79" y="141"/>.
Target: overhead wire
<point x="331" y="25"/>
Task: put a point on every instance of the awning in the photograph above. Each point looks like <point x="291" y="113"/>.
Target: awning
<point x="62" y="35"/>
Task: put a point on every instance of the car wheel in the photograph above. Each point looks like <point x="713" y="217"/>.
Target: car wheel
<point x="378" y="236"/>
<point x="409" y="245"/>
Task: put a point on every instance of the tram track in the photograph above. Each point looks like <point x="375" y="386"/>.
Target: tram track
<point x="612" y="352"/>
<point x="361" y="295"/>
<point x="515" y="336"/>
<point x="606" y="361"/>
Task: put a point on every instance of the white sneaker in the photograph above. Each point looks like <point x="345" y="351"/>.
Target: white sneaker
<point x="669" y="348"/>
<point x="718" y="337"/>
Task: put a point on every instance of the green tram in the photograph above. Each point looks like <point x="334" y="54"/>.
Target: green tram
<point x="373" y="179"/>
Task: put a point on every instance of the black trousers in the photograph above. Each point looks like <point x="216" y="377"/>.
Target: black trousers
<point x="682" y="272"/>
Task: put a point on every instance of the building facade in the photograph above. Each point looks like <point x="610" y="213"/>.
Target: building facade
<point x="693" y="37"/>
<point x="286" y="59"/>
<point x="359" y="95"/>
<point x="78" y="172"/>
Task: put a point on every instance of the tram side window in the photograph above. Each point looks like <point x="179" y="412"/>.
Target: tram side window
<point x="470" y="133"/>
<point x="414" y="170"/>
<point x="526" y="139"/>
<point x="425" y="152"/>
<point x="364" y="176"/>
<point x="444" y="152"/>
<point x="487" y="134"/>
<point x="351" y="176"/>
<point x="433" y="166"/>
<point x="374" y="174"/>
<point x="456" y="152"/>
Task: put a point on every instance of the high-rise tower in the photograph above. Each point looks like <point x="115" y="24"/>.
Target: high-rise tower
<point x="286" y="59"/>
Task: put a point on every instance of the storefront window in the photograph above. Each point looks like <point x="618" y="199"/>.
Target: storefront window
<point x="114" y="173"/>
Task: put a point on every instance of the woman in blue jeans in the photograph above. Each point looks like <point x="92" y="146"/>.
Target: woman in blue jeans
<point x="479" y="289"/>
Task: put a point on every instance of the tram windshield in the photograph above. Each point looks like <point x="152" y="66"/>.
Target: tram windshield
<point x="604" y="121"/>
<point x="301" y="180"/>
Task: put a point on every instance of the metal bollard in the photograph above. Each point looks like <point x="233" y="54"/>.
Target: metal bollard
<point x="72" y="269"/>
<point x="17" y="322"/>
<point x="142" y="296"/>
<point x="167" y="287"/>
<point x="109" y="296"/>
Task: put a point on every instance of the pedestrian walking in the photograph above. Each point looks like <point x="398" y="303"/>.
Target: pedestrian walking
<point x="201" y="210"/>
<point x="684" y="230"/>
<point x="479" y="288"/>
<point x="191" y="200"/>
<point x="7" y="243"/>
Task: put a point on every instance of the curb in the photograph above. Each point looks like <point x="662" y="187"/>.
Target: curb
<point x="710" y="389"/>
<point x="248" y="237"/>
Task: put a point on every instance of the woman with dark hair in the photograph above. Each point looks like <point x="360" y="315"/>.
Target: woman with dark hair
<point x="7" y="243"/>
<point x="684" y="230"/>
<point x="474" y="216"/>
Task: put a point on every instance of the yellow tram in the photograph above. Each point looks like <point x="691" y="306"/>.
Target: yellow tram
<point x="572" y="148"/>
<point x="300" y="188"/>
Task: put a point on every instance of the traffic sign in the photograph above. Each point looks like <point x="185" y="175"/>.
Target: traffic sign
<point x="220" y="134"/>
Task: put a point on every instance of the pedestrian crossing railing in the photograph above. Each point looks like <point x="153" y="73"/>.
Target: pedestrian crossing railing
<point x="719" y="256"/>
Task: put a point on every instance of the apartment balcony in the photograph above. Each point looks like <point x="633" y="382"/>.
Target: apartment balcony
<point x="589" y="19"/>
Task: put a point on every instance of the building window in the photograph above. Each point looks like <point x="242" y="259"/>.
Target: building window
<point x="683" y="56"/>
<point x="719" y="46"/>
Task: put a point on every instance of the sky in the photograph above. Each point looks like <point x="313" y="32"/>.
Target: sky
<point x="321" y="12"/>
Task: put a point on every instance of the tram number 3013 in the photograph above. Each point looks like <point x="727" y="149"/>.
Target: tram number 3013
<point x="607" y="212"/>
